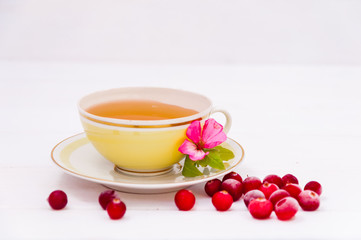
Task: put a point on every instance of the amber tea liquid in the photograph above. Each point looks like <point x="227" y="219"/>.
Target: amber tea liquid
<point x="140" y="110"/>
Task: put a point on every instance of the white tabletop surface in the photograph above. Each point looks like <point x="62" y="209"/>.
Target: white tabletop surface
<point x="304" y="120"/>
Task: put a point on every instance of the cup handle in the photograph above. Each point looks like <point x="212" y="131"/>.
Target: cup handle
<point x="228" y="123"/>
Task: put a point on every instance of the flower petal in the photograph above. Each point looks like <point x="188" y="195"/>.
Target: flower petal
<point x="198" y="155"/>
<point x="190" y="149"/>
<point x="194" y="131"/>
<point x="213" y="134"/>
<point x="187" y="147"/>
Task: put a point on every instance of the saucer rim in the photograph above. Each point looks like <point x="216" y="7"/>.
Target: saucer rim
<point x="140" y="186"/>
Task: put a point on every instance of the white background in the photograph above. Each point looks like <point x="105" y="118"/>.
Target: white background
<point x="289" y="72"/>
<point x="201" y="31"/>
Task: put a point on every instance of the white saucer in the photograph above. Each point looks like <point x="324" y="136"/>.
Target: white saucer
<point x="77" y="157"/>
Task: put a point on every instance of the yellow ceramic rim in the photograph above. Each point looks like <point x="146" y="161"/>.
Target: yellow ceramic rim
<point x="166" y="122"/>
<point x="140" y="126"/>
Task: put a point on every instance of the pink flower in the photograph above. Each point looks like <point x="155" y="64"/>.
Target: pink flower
<point x="211" y="136"/>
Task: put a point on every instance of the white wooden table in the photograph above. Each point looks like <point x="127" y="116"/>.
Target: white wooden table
<point x="289" y="119"/>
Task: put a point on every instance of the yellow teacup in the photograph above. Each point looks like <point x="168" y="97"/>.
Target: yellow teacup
<point x="143" y="147"/>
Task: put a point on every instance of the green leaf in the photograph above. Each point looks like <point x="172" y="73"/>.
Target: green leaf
<point x="213" y="160"/>
<point x="189" y="168"/>
<point x="202" y="162"/>
<point x="224" y="153"/>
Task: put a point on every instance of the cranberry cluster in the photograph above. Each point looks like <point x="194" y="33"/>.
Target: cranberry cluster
<point x="108" y="200"/>
<point x="281" y="195"/>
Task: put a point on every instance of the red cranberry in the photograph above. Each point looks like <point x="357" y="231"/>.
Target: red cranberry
<point x="273" y="178"/>
<point x="253" y="194"/>
<point x="309" y="200"/>
<point x="293" y="189"/>
<point x="212" y="186"/>
<point x="289" y="178"/>
<point x="260" y="208"/>
<point x="222" y="200"/>
<point x="278" y="195"/>
<point x="116" y="209"/>
<point x="314" y="186"/>
<point x="184" y="200"/>
<point x="286" y="208"/>
<point x="233" y="187"/>
<point x="57" y="199"/>
<point x="105" y="198"/>
<point x="233" y="175"/>
<point x="251" y="183"/>
<point x="268" y="189"/>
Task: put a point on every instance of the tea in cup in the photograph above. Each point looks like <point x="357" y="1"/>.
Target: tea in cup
<point x="140" y="129"/>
